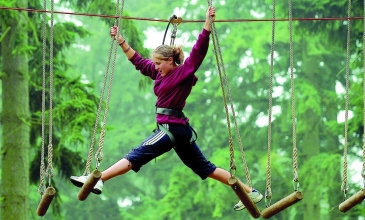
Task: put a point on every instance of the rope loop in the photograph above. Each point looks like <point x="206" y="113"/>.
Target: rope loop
<point x="268" y="195"/>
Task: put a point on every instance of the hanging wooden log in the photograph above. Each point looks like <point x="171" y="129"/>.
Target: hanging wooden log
<point x="282" y="204"/>
<point x="352" y="201"/>
<point x="46" y="201"/>
<point x="89" y="185"/>
<point x="243" y="196"/>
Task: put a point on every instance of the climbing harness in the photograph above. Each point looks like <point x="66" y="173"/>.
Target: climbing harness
<point x="176" y="113"/>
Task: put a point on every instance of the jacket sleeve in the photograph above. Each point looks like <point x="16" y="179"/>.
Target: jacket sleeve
<point x="195" y="59"/>
<point x="145" y="66"/>
<point x="198" y="52"/>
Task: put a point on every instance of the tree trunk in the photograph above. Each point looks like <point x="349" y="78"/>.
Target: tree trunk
<point x="15" y="118"/>
<point x="311" y="138"/>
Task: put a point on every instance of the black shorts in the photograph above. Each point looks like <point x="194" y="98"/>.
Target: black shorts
<point x="159" y="143"/>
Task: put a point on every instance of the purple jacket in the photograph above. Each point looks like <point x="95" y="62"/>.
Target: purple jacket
<point x="173" y="89"/>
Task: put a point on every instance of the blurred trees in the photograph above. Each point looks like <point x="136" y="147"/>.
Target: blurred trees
<point x="165" y="188"/>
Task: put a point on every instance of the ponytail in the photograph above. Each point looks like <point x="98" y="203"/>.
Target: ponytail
<point x="163" y="52"/>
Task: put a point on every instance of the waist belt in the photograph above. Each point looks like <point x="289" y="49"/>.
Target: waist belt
<point x="176" y="113"/>
<point x="172" y="112"/>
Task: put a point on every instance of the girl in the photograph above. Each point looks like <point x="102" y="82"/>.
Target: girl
<point x="173" y="82"/>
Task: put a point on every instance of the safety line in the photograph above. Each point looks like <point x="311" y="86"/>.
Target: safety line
<point x="183" y="21"/>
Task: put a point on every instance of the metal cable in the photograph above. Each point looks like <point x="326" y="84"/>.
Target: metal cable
<point x="185" y="20"/>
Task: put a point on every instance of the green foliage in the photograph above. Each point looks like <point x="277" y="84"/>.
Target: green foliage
<point x="165" y="188"/>
<point x="74" y="102"/>
<point x="322" y="166"/>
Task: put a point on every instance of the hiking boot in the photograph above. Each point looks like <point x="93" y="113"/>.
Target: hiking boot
<point x="255" y="196"/>
<point x="80" y="180"/>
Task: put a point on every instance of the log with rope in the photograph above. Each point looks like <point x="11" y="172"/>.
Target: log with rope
<point x="358" y="197"/>
<point x="233" y="181"/>
<point x="296" y="196"/>
<point x="95" y="176"/>
<point x="47" y="194"/>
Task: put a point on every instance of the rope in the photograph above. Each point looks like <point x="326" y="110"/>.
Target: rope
<point x="345" y="186"/>
<point x="99" y="153"/>
<point x="185" y="21"/>
<point x="49" y="170"/>
<point x="363" y="147"/>
<point x="42" y="186"/>
<point x="268" y="193"/>
<point x="232" y="164"/>
<point x="295" y="151"/>
<point x="221" y="69"/>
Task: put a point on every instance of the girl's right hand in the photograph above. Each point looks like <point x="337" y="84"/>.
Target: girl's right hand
<point x="114" y="32"/>
<point x="210" y="13"/>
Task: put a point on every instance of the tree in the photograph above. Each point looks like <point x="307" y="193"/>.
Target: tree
<point x="74" y="102"/>
<point x="15" y="115"/>
<point x="166" y="187"/>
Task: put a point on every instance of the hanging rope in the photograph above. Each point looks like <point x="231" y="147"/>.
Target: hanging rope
<point x="363" y="136"/>
<point x="42" y="186"/>
<point x="345" y="186"/>
<point x="358" y="197"/>
<point x="224" y="83"/>
<point x="268" y="192"/>
<point x="99" y="152"/>
<point x="295" y="151"/>
<point x="49" y="170"/>
<point x="48" y="193"/>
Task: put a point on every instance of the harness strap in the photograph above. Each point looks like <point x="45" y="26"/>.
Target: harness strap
<point x="176" y="113"/>
<point x="172" y="138"/>
<point x="169" y="111"/>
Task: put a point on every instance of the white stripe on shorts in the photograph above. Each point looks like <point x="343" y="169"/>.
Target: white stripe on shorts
<point x="155" y="138"/>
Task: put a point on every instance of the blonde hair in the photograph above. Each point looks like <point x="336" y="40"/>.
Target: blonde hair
<point x="164" y="52"/>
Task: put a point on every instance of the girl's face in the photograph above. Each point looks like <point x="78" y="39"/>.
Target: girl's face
<point x="163" y="66"/>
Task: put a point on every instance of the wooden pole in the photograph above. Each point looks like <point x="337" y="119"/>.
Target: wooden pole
<point x="243" y="196"/>
<point x="352" y="201"/>
<point x="282" y="204"/>
<point x="89" y="185"/>
<point x="46" y="201"/>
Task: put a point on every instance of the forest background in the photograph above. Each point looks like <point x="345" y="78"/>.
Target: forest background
<point x="165" y="188"/>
